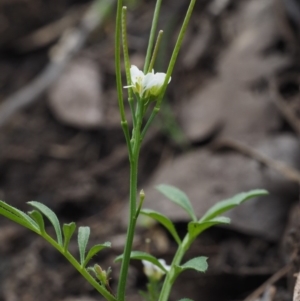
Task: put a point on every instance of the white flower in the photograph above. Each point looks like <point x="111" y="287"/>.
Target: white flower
<point x="154" y="272"/>
<point x="155" y="82"/>
<point x="146" y="85"/>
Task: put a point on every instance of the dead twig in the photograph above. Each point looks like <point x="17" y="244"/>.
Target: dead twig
<point x="50" y="32"/>
<point x="287" y="171"/>
<point x="285" y="109"/>
<point x="260" y="290"/>
<point x="70" y="43"/>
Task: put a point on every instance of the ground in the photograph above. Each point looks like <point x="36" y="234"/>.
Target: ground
<point x="230" y="122"/>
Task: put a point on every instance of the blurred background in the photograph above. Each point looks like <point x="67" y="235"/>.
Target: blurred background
<point x="230" y="122"/>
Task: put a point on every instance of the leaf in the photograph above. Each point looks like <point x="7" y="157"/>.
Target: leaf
<point x="83" y="237"/>
<point x="165" y="221"/>
<point x="195" y="228"/>
<point x="18" y="216"/>
<point x="198" y="263"/>
<point x="38" y="218"/>
<point x="179" y="197"/>
<point x="228" y="204"/>
<point x="185" y="299"/>
<point x="52" y="218"/>
<point x="143" y="256"/>
<point x="68" y="230"/>
<point x="94" y="250"/>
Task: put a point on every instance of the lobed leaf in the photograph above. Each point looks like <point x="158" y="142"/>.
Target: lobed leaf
<point x="143" y="256"/>
<point x="94" y="250"/>
<point x="178" y="197"/>
<point x="195" y="228"/>
<point x="165" y="221"/>
<point x="68" y="230"/>
<point x="198" y="264"/>
<point x="83" y="238"/>
<point x="18" y="216"/>
<point x="228" y="204"/>
<point x="51" y="216"/>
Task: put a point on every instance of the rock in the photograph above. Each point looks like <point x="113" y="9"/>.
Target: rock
<point x="230" y="98"/>
<point x="76" y="99"/>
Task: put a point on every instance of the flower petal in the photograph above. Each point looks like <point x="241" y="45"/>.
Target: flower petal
<point x="136" y="74"/>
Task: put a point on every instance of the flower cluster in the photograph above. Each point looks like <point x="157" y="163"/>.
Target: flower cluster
<point x="146" y="85"/>
<point x="154" y="272"/>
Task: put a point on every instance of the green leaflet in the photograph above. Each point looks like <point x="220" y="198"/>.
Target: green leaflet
<point x="143" y="256"/>
<point x="198" y="264"/>
<point x="94" y="250"/>
<point x="196" y="228"/>
<point x="178" y="197"/>
<point x="18" y="216"/>
<point x="83" y="237"/>
<point x="228" y="204"/>
<point x="38" y="218"/>
<point x="68" y="230"/>
<point x="165" y="221"/>
<point x="52" y="218"/>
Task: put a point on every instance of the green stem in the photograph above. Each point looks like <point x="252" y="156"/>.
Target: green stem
<point x="103" y="291"/>
<point x="171" y="276"/>
<point x="176" y="51"/>
<point x="127" y="63"/>
<point x="171" y="65"/>
<point x="118" y="60"/>
<point x="125" y="128"/>
<point x="155" y="51"/>
<point x="132" y="206"/>
<point x="152" y="116"/>
<point x="152" y="35"/>
<point x="125" y="50"/>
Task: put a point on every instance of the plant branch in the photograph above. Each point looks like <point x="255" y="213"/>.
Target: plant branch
<point x="102" y="290"/>
<point x="152" y="35"/>
<point x="176" y="51"/>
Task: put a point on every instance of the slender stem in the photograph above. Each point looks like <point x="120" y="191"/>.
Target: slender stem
<point x="171" y="65"/>
<point x="176" y="51"/>
<point x="171" y="276"/>
<point x="130" y="231"/>
<point x="155" y="51"/>
<point x="152" y="35"/>
<point x="132" y="206"/>
<point x="152" y="116"/>
<point x="125" y="49"/>
<point x="102" y="290"/>
<point x="125" y="128"/>
<point x="118" y="60"/>
<point x="127" y="63"/>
